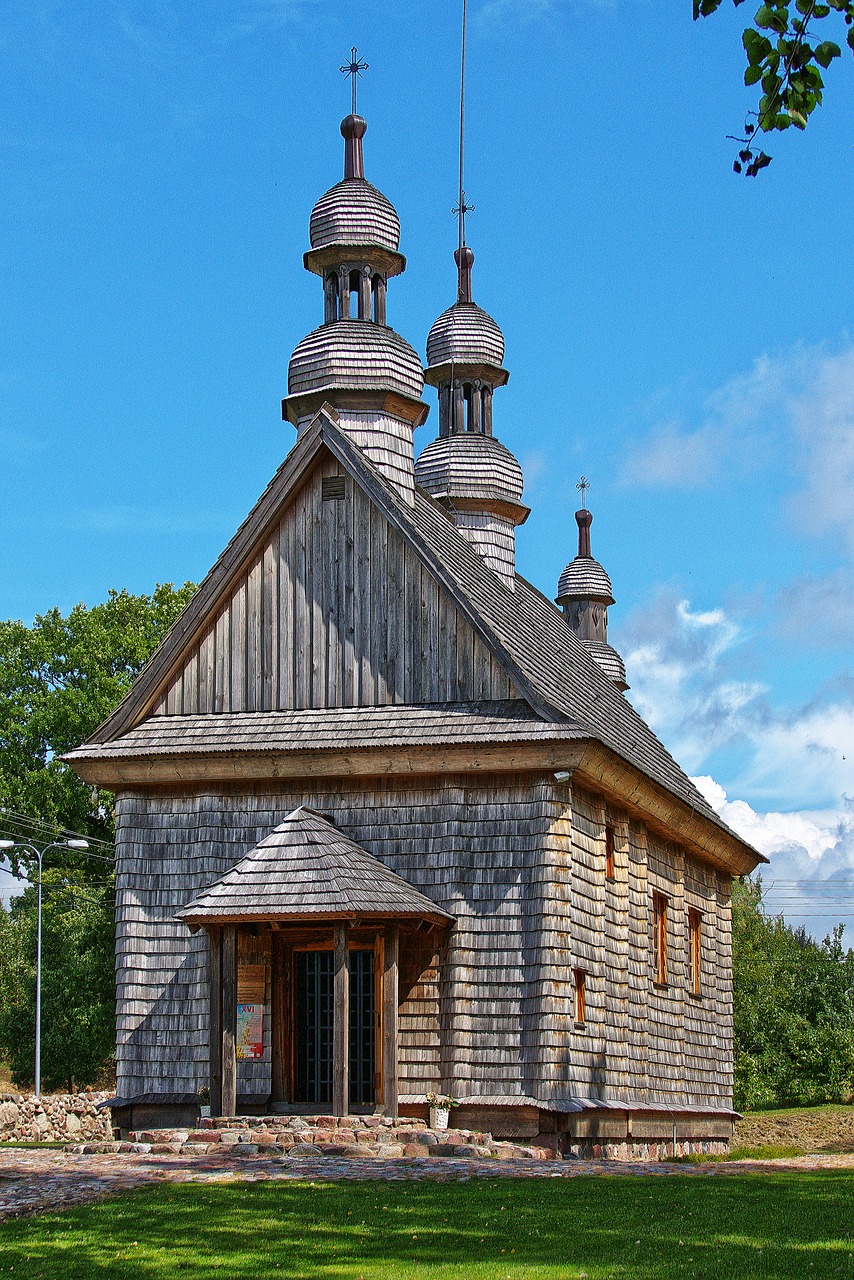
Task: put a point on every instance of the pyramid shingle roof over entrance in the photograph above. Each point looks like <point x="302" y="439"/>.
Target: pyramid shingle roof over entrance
<point x="308" y="870"/>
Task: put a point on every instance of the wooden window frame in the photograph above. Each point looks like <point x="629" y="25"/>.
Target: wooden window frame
<point x="660" y="904"/>
<point x="610" y="852"/>
<point x="695" y="952"/>
<point x="579" y="995"/>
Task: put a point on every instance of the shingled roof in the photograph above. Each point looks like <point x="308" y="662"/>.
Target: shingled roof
<point x="331" y="728"/>
<point x="306" y="869"/>
<point x="528" y="635"/>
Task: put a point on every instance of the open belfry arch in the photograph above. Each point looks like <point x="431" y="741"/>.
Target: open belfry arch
<point x="386" y="822"/>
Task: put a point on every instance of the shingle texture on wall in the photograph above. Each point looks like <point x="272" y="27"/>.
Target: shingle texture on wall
<point x="307" y="869"/>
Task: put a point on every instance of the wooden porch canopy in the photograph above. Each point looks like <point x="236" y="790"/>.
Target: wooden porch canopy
<point x="305" y="872"/>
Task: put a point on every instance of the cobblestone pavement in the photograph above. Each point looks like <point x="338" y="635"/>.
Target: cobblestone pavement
<point x="33" y="1181"/>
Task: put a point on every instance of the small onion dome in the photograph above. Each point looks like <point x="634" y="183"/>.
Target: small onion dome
<point x="472" y="470"/>
<point x="609" y="660"/>
<point x="584" y="579"/>
<point x="353" y="220"/>
<point x="466" y="335"/>
<point x="355" y="355"/>
<point x="354" y="213"/>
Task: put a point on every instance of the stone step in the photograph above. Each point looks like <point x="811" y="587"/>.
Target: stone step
<point x="295" y="1137"/>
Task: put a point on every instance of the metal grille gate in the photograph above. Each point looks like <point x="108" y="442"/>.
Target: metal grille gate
<point x="314" y="1008"/>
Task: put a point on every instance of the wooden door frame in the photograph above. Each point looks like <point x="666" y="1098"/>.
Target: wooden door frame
<point x="385" y="948"/>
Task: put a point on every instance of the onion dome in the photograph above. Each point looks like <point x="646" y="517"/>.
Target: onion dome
<point x="465" y="340"/>
<point x="355" y="361"/>
<point x="354" y="221"/>
<point x="472" y="470"/>
<point x="584" y="593"/>
<point x="355" y="355"/>
<point x="465" y="334"/>
<point x="584" y="577"/>
<point x="354" y="212"/>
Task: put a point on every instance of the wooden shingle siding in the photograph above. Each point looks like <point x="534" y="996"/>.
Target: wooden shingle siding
<point x="518" y="860"/>
<point x="335" y="610"/>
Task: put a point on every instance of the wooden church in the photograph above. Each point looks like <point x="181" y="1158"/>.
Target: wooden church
<point x="386" y="824"/>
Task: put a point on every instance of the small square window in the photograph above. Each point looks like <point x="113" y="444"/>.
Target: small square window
<point x="332" y="488"/>
<point x="580" y="982"/>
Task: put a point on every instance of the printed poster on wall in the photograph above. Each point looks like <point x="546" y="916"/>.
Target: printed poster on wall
<point x="250" y="1031"/>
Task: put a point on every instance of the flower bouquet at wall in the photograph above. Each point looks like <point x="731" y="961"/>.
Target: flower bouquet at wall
<point x="440" y="1109"/>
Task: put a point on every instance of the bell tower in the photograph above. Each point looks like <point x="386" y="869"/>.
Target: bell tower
<point x="584" y="594"/>
<point x="355" y="361"/>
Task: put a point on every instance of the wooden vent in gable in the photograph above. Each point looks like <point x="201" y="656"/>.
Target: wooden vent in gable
<point x="333" y="489"/>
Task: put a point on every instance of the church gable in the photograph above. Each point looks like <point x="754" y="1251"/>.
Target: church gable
<point x="335" y="609"/>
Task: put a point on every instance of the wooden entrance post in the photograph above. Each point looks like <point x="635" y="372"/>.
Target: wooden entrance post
<point x="229" y="1020"/>
<point x="389" y="1019"/>
<point x="280" y="1011"/>
<point x="341" y="1023"/>
<point x="215" y="1019"/>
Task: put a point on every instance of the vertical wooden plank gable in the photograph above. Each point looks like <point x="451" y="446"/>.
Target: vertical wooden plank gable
<point x="334" y="610"/>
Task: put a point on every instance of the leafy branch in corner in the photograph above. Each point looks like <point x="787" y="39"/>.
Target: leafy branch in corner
<point x="785" y="59"/>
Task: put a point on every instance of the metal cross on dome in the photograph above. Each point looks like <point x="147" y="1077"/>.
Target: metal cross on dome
<point x="460" y="209"/>
<point x="354" y="69"/>
<point x="582" y="487"/>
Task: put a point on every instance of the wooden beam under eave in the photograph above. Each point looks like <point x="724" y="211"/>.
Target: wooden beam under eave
<point x="215" y="1019"/>
<point x="113" y="773"/>
<point x="605" y="772"/>
<point x="280" y="1006"/>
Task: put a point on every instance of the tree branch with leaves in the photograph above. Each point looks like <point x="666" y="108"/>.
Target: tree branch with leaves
<point x="785" y="57"/>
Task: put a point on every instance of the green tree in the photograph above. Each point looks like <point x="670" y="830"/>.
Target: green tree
<point x="793" y="1010"/>
<point x="78" y="984"/>
<point x="59" y="678"/>
<point x="787" y="50"/>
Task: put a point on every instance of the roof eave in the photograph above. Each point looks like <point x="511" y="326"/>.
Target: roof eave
<point x="208" y="919"/>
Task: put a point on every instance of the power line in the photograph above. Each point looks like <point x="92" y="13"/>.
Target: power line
<point x="23" y="827"/>
<point x="45" y="824"/>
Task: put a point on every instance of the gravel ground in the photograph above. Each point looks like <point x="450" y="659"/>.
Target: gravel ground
<point x="34" y="1181"/>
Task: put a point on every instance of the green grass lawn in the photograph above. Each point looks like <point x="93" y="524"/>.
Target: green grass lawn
<point x="737" y="1227"/>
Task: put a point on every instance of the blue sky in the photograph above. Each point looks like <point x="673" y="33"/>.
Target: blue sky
<point x="681" y="336"/>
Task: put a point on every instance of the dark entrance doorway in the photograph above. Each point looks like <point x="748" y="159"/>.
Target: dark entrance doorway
<point x="313" y="1030"/>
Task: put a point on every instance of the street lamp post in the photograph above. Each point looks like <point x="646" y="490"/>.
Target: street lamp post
<point x="39" y="856"/>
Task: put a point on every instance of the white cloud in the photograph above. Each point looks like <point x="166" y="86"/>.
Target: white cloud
<point x="496" y="10"/>
<point x="823" y="419"/>
<point x="693" y="679"/>
<point x="810" y="879"/>
<point x="818" y="609"/>
<point x="671" y="457"/>
<point x="801" y="400"/>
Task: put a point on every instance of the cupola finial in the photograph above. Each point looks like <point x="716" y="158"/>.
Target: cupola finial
<point x="353" y="69"/>
<point x="584" y="520"/>
<point x="353" y="126"/>
<point x="584" y="594"/>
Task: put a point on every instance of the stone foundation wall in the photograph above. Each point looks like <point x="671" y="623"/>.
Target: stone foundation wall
<point x="54" y="1117"/>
